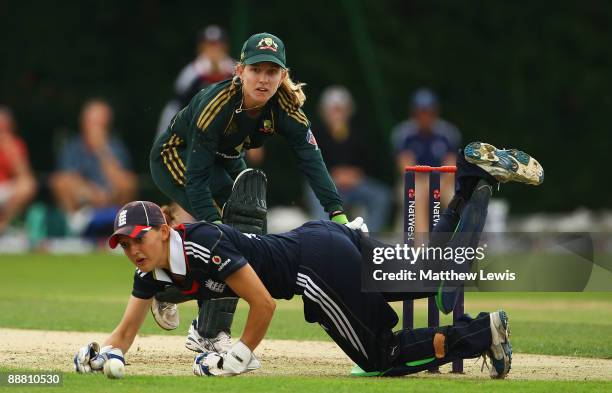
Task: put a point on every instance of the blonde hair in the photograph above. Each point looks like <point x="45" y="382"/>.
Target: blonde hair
<point x="293" y="90"/>
<point x="169" y="212"/>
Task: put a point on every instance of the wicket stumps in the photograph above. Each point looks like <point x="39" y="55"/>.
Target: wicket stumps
<point x="410" y="204"/>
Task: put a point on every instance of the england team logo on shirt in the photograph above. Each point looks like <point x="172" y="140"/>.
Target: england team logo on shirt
<point x="214" y="286"/>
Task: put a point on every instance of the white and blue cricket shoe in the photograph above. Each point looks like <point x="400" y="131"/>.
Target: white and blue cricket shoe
<point x="505" y="164"/>
<point x="196" y="343"/>
<point x="501" y="350"/>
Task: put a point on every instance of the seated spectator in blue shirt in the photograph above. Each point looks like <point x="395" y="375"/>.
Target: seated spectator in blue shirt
<point x="94" y="174"/>
<point x="426" y="139"/>
<point x="346" y="156"/>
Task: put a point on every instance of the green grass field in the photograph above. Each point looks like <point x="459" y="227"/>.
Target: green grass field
<point x="88" y="293"/>
<point x="149" y="384"/>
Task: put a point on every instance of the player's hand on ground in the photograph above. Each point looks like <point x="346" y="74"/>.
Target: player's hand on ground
<point x="91" y="358"/>
<point x="107" y="352"/>
<point x="358" y="225"/>
<point x="83" y="357"/>
<point x="237" y="360"/>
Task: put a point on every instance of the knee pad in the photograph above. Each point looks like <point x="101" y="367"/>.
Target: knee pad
<point x="216" y="315"/>
<point x="246" y="208"/>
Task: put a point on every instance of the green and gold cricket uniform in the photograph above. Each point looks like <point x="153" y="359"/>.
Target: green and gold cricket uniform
<point x="195" y="161"/>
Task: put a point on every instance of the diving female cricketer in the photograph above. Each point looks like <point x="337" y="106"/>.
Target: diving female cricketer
<point x="197" y="159"/>
<point x="321" y="261"/>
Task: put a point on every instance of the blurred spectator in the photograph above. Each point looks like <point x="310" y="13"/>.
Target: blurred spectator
<point x="17" y="184"/>
<point x="211" y="65"/>
<point x="94" y="174"/>
<point x="346" y="156"/>
<point x="426" y="139"/>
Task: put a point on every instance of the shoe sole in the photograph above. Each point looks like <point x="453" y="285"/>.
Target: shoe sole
<point x="505" y="165"/>
<point x="357" y="371"/>
<point x="162" y="324"/>
<point x="500" y="345"/>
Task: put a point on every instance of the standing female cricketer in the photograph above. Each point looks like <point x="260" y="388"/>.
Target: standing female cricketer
<point x="201" y="153"/>
<point x="321" y="261"/>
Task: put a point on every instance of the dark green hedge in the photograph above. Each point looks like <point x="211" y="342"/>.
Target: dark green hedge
<point x="530" y="74"/>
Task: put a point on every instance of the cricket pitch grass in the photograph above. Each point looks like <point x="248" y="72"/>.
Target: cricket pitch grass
<point x="52" y="305"/>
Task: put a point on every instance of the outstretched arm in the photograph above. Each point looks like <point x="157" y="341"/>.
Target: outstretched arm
<point x="245" y="283"/>
<point x="92" y="358"/>
<point x="295" y="127"/>
<point x="133" y="317"/>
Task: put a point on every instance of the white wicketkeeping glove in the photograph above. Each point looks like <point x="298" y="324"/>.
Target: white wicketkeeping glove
<point x="82" y="357"/>
<point x="91" y="358"/>
<point x="237" y="360"/>
<point x="358" y="225"/>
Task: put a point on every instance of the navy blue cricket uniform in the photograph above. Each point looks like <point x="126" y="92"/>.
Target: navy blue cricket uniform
<point x="320" y="261"/>
<point x="429" y="149"/>
<point x="212" y="252"/>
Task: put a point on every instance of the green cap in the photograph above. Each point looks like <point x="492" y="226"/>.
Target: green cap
<point x="263" y="47"/>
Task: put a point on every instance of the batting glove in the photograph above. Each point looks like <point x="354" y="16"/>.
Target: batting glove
<point x="239" y="359"/>
<point x="358" y="225"/>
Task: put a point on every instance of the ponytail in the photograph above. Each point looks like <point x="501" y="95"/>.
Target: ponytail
<point x="168" y="211"/>
<point x="293" y="91"/>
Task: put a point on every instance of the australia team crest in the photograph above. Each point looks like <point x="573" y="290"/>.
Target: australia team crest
<point x="267" y="127"/>
<point x="267" y="43"/>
